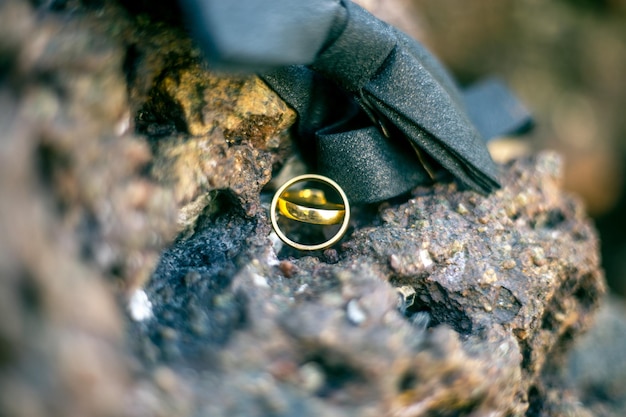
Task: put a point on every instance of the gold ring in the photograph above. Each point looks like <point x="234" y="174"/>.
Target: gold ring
<point x="310" y="206"/>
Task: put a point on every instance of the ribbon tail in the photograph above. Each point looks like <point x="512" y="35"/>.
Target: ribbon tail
<point x="480" y="176"/>
<point x="429" y="111"/>
<point x="495" y="111"/>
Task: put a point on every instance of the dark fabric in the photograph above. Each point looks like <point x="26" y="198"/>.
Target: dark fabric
<point x="369" y="166"/>
<point x="494" y="110"/>
<point x="410" y="91"/>
<point x="338" y="139"/>
<point x="377" y="112"/>
<point x="359" y="51"/>
<point x="255" y="35"/>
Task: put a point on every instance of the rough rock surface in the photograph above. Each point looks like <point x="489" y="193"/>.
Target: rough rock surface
<point x="87" y="203"/>
<point x="496" y="288"/>
<point x="114" y="140"/>
<point x="207" y="132"/>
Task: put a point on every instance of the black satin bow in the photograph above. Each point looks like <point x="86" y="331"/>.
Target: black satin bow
<point x="377" y="112"/>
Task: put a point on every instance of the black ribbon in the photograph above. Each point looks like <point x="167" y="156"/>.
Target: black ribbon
<point x="377" y="112"/>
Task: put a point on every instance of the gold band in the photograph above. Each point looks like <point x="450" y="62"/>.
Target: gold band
<point x="306" y="196"/>
<point x="309" y="205"/>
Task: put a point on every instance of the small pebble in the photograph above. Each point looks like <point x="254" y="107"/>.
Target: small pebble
<point x="139" y="306"/>
<point x="509" y="264"/>
<point x="457" y="246"/>
<point x="287" y="268"/>
<point x="490" y="276"/>
<point x="331" y="256"/>
<point x="394" y="262"/>
<point x="355" y="313"/>
<point x="302" y="288"/>
<point x="425" y="258"/>
<point x="539" y="257"/>
<point x="312" y="376"/>
<point x="260" y="281"/>
<point x="511" y="210"/>
<point x="521" y="199"/>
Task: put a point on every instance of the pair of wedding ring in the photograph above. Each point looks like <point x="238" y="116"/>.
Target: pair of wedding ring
<point x="306" y="209"/>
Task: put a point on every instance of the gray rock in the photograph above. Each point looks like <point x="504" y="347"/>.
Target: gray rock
<point x="506" y="284"/>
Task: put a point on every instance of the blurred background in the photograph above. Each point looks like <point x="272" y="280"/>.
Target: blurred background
<point x="566" y="59"/>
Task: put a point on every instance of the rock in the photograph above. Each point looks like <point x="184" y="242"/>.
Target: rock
<point x="506" y="284"/>
<point x="85" y="210"/>
<point x="197" y="168"/>
<point x="245" y="109"/>
<point x="565" y="80"/>
<point x="509" y="260"/>
<point x="71" y="111"/>
<point x="123" y="192"/>
<point x="76" y="214"/>
<point x="208" y="132"/>
<point x="120" y="159"/>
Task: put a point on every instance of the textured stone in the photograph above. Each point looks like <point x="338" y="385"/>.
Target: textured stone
<point x="208" y="132"/>
<point x="245" y="108"/>
<point x="84" y="208"/>
<point x="497" y="293"/>
<point x="71" y="110"/>
<point x="67" y="176"/>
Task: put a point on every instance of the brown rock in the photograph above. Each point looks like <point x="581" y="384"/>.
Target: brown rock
<point x="245" y="109"/>
<point x="484" y="332"/>
<point x="61" y="330"/>
<point x="535" y="271"/>
<point x="209" y="132"/>
<point x="81" y="215"/>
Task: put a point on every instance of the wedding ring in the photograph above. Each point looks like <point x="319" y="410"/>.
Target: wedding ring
<point x="310" y="201"/>
<point x="310" y="206"/>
